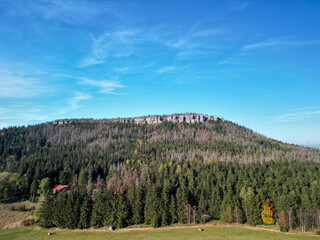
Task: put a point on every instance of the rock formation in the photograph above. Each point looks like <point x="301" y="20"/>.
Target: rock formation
<point x="175" y="118"/>
<point x="151" y="119"/>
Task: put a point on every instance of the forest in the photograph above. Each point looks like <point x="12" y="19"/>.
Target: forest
<point x="124" y="173"/>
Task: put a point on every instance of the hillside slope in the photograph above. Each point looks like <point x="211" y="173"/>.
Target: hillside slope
<point x="105" y="142"/>
<point x="126" y="172"/>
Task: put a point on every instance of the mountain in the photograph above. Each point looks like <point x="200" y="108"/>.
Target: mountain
<point x="157" y="170"/>
<point x="161" y="138"/>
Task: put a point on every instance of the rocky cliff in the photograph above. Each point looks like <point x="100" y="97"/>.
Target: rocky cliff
<point x="151" y="119"/>
<point x="176" y="118"/>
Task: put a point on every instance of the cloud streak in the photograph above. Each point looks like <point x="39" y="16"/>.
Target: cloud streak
<point x="117" y="44"/>
<point x="299" y="114"/>
<point x="125" y="42"/>
<point x="278" y="42"/>
<point x="105" y="86"/>
<point x="20" y="81"/>
<point x="77" y="98"/>
<point x="69" y="12"/>
<point x="166" y="69"/>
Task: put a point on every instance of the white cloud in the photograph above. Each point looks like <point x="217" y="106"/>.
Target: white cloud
<point x="278" y="42"/>
<point x="21" y="113"/>
<point x="299" y="114"/>
<point x="123" y="43"/>
<point x="18" y="80"/>
<point x="132" y="68"/>
<point x="77" y="98"/>
<point x="239" y="6"/>
<point x="105" y="86"/>
<point x="117" y="44"/>
<point x="165" y="69"/>
<point x="70" y="12"/>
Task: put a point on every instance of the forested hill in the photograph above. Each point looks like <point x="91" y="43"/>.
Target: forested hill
<point x="61" y="149"/>
<point x="159" y="170"/>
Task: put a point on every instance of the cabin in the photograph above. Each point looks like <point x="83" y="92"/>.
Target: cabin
<point x="58" y="188"/>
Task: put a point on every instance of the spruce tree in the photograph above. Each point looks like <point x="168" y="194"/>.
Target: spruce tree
<point x="164" y="204"/>
<point x="98" y="210"/>
<point x="173" y="210"/>
<point x="85" y="212"/>
<point x="122" y="213"/>
<point x="138" y="206"/>
<point x="46" y="213"/>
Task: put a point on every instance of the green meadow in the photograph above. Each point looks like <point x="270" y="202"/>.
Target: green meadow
<point x="183" y="233"/>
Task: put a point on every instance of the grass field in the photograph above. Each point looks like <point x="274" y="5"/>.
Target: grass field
<point x="12" y="219"/>
<point x="184" y="233"/>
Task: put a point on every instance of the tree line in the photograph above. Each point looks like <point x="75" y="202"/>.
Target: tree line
<point x="284" y="192"/>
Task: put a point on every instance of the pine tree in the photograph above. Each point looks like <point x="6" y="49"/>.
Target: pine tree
<point x="46" y="213"/>
<point x="60" y="206"/>
<point x="122" y="213"/>
<point x="85" y="213"/>
<point x="99" y="210"/>
<point x="110" y="208"/>
<point x="254" y="215"/>
<point x="164" y="204"/>
<point x="138" y="206"/>
<point x="215" y="204"/>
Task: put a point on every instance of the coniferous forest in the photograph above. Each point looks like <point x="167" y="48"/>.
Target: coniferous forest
<point x="122" y="174"/>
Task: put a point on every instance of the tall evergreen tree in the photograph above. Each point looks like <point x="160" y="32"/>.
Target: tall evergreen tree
<point x="85" y="212"/>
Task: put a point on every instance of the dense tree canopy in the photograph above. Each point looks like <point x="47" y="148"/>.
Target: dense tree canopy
<point x="122" y="174"/>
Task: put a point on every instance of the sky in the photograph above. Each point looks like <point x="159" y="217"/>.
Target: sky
<point x="255" y="63"/>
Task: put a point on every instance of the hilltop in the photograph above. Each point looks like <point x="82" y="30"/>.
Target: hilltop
<point x="150" y="119"/>
<point x="158" y="170"/>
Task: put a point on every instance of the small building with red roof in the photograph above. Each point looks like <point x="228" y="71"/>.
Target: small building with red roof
<point x="60" y="188"/>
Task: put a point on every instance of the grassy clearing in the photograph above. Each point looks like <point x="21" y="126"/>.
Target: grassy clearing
<point x="12" y="219"/>
<point x="183" y="233"/>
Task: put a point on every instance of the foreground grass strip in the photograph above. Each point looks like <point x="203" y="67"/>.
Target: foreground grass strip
<point x="183" y="233"/>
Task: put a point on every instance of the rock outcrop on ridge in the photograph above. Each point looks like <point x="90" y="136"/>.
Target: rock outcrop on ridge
<point x="151" y="119"/>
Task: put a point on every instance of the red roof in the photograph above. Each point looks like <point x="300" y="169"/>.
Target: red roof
<point x="59" y="187"/>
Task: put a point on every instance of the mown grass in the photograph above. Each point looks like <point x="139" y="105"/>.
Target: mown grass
<point x="183" y="233"/>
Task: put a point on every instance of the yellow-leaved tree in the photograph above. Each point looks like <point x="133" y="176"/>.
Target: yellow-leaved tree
<point x="267" y="213"/>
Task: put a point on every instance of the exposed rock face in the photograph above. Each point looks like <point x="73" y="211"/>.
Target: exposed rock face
<point x="151" y="119"/>
<point x="176" y="118"/>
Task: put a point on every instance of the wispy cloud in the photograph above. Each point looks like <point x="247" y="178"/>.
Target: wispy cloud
<point x="77" y="98"/>
<point x="117" y="44"/>
<point x="299" y="114"/>
<point x="19" y="112"/>
<point x="165" y="69"/>
<point x="278" y="42"/>
<point x="272" y="43"/>
<point x="18" y="80"/>
<point x="123" y="43"/>
<point x="105" y="86"/>
<point x="70" y="12"/>
<point x="239" y="5"/>
<point x="195" y="42"/>
<point x="132" y="68"/>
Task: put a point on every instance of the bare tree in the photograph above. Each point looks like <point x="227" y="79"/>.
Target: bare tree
<point x="187" y="212"/>
<point x="303" y="219"/>
<point x="291" y="218"/>
<point x="194" y="214"/>
<point x="238" y="214"/>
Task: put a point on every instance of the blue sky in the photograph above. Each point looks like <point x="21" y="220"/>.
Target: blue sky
<point x="256" y="63"/>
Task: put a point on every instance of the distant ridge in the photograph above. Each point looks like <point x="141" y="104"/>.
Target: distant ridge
<point x="151" y="119"/>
